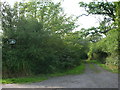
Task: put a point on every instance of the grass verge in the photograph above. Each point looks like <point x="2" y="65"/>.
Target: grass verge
<point x="77" y="70"/>
<point x="110" y="68"/>
<point x="94" y="68"/>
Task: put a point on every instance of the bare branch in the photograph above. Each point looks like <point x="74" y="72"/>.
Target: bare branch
<point x="83" y="15"/>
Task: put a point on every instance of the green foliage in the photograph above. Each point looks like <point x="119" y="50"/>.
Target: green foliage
<point x="25" y="79"/>
<point x="91" y="34"/>
<point x="41" y="45"/>
<point x="107" y="47"/>
<point x="100" y="8"/>
<point x="106" y="50"/>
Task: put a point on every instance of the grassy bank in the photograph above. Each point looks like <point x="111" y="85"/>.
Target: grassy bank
<point x="110" y="68"/>
<point x="77" y="70"/>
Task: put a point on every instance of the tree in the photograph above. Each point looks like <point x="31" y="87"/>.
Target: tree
<point x="106" y="9"/>
<point x="100" y="8"/>
<point x="39" y="34"/>
<point x="107" y="49"/>
<point x="91" y="34"/>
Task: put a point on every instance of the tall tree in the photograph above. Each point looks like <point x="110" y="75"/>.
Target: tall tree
<point x="105" y="9"/>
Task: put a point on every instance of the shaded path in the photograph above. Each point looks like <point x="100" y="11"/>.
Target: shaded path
<point x="93" y="77"/>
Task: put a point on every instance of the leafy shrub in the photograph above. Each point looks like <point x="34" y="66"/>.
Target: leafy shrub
<point x="106" y="50"/>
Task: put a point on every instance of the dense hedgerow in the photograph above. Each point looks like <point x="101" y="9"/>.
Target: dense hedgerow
<point x="41" y="44"/>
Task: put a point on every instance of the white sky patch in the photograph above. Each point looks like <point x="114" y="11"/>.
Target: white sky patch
<point x="71" y="8"/>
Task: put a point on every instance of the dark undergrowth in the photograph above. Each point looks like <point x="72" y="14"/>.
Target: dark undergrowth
<point x="77" y="70"/>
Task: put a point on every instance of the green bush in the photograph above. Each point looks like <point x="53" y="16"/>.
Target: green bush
<point x="106" y="50"/>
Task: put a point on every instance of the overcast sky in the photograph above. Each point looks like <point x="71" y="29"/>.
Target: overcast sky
<point x="71" y="7"/>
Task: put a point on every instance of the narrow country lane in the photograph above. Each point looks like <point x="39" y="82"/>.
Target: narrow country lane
<point x="93" y="77"/>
